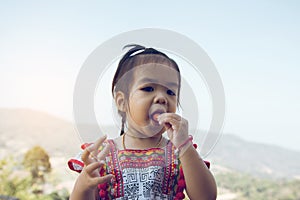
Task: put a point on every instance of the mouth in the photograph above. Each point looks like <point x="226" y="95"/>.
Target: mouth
<point x="154" y="116"/>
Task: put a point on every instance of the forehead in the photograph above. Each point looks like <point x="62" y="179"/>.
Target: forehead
<point x="156" y="73"/>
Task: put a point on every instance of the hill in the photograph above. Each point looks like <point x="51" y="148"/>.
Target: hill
<point x="261" y="160"/>
<point x="20" y="129"/>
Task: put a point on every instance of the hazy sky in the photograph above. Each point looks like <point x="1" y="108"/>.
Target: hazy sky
<point x="255" y="46"/>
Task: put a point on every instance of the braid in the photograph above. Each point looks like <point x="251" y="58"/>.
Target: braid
<point x="123" y="124"/>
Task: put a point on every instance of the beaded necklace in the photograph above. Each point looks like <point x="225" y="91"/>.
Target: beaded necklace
<point x="123" y="141"/>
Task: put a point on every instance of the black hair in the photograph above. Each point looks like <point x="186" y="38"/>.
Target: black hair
<point x="137" y="56"/>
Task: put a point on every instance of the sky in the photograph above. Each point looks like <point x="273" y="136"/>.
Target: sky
<point x="255" y="46"/>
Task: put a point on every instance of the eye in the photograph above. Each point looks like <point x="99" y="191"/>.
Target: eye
<point x="148" y="89"/>
<point x="170" y="92"/>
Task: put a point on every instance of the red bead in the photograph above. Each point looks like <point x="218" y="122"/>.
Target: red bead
<point x="102" y="193"/>
<point x="195" y="146"/>
<point x="102" y="171"/>
<point x="181" y="183"/>
<point x="102" y="186"/>
<point x="180" y="195"/>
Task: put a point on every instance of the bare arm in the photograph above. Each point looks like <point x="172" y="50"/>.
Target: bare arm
<point x="200" y="183"/>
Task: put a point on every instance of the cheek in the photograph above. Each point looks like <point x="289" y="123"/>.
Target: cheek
<point x="137" y="108"/>
<point x="173" y="108"/>
<point x="173" y="105"/>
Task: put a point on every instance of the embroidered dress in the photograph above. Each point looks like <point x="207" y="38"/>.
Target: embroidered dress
<point x="153" y="173"/>
<point x="143" y="174"/>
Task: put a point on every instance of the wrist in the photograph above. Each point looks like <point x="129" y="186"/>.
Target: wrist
<point x="184" y="150"/>
<point x="81" y="192"/>
<point x="185" y="145"/>
<point x="187" y="141"/>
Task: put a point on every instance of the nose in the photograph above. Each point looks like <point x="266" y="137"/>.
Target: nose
<point x="160" y="98"/>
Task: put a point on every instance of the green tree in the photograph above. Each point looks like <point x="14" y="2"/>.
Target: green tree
<point x="36" y="160"/>
<point x="16" y="181"/>
<point x="11" y="183"/>
<point x="249" y="187"/>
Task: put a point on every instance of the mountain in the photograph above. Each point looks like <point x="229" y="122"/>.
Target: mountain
<point x="21" y="129"/>
<point x="261" y="160"/>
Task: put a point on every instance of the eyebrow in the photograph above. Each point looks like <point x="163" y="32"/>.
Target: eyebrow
<point x="149" y="80"/>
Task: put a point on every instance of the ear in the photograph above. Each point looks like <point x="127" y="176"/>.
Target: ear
<point x="120" y="101"/>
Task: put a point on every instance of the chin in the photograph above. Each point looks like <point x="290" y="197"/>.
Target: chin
<point x="155" y="130"/>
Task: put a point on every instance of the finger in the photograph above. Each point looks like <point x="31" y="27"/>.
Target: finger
<point x="169" y="115"/>
<point x="94" y="148"/>
<point x="89" y="155"/>
<point x="94" y="166"/>
<point x="104" y="152"/>
<point x="85" y="157"/>
<point x="103" y="179"/>
<point x="170" y="123"/>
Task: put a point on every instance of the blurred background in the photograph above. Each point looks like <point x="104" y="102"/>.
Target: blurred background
<point x="254" y="45"/>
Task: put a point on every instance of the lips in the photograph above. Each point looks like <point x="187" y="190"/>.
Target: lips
<point x="155" y="114"/>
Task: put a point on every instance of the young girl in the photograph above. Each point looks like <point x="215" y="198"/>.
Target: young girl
<point x="142" y="163"/>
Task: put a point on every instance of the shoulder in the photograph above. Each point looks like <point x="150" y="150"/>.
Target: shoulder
<point x="117" y="142"/>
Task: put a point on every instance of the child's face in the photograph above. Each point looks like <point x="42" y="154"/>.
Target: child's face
<point x="154" y="90"/>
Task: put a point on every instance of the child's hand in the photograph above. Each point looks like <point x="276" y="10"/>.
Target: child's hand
<point x="90" y="177"/>
<point x="176" y="126"/>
